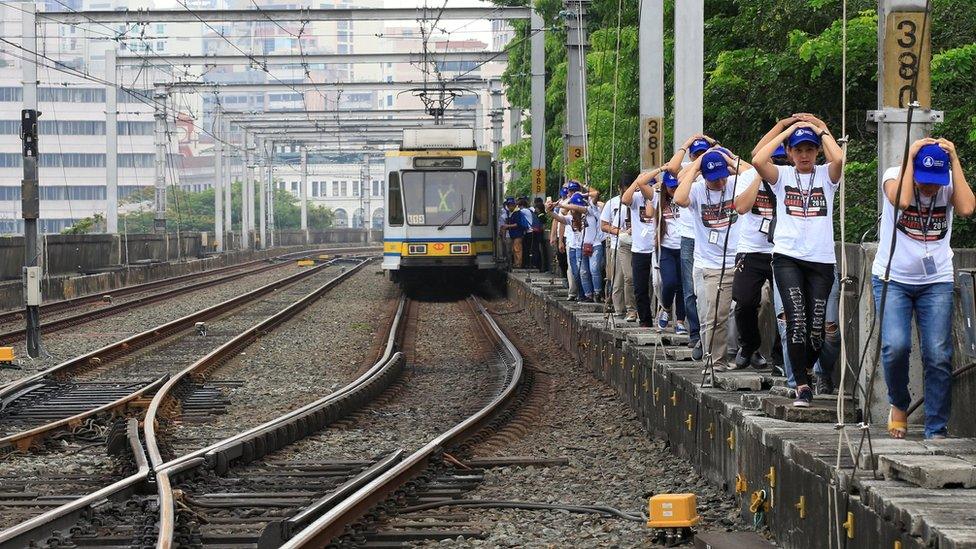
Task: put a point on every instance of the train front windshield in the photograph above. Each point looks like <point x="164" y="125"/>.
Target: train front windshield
<point x="438" y="198"/>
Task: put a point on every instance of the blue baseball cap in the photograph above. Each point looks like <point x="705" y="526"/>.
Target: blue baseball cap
<point x="780" y="151"/>
<point x="699" y="145"/>
<point x="932" y="165"/>
<point x="509" y="200"/>
<point x="804" y="135"/>
<point x="563" y="193"/>
<point x="578" y="200"/>
<point x="713" y="166"/>
<point x="573" y="186"/>
<point x="670" y="181"/>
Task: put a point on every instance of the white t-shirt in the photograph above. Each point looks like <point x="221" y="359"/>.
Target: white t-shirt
<point x="589" y="231"/>
<point x="616" y="216"/>
<point x="805" y="214"/>
<point x="672" y="223"/>
<point x="686" y="228"/>
<point x="641" y="226"/>
<point x="751" y="238"/>
<point x="714" y="215"/>
<point x="922" y="231"/>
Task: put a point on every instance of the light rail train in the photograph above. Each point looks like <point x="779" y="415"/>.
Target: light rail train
<point x="442" y="201"/>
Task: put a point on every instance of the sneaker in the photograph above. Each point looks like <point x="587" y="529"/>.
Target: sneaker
<point x="697" y="353"/>
<point x="573" y="298"/>
<point x="758" y="361"/>
<point x="804" y="397"/>
<point x="692" y="343"/>
<point x="679" y="328"/>
<point x="663" y="319"/>
<point x="741" y="361"/>
<point x="631" y="317"/>
<point x="823" y="385"/>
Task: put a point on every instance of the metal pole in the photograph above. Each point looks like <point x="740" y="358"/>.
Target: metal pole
<point x="30" y="198"/>
<point x="263" y="183"/>
<point x="497" y="117"/>
<point x="271" y="193"/>
<point x="303" y="193"/>
<point x="111" y="145"/>
<point x="367" y="194"/>
<point x="576" y="43"/>
<point x="218" y="179"/>
<point x="159" y="222"/>
<point x="689" y="60"/>
<point x="651" y="48"/>
<point x="514" y="135"/>
<point x="479" y="124"/>
<point x="538" y="106"/>
<point x="246" y="182"/>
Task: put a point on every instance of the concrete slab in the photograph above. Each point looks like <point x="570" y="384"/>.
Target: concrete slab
<point x="820" y="411"/>
<point x="731" y="540"/>
<point x="646" y="337"/>
<point x="738" y="381"/>
<point x="928" y="471"/>
<point x="678" y="353"/>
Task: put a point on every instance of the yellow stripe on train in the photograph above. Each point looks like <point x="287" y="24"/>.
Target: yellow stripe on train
<point x="438" y="249"/>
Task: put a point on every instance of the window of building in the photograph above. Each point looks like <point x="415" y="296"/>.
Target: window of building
<point x="294" y="186"/>
<point x="335" y="188"/>
<point x="11" y="94"/>
<point x="377" y="188"/>
<point x="355" y="188"/>
<point x="340" y="218"/>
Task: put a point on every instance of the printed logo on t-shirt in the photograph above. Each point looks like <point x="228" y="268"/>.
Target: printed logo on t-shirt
<point x="917" y="226"/>
<point x="672" y="212"/>
<point x="764" y="205"/>
<point x="796" y="198"/>
<point x="718" y="216"/>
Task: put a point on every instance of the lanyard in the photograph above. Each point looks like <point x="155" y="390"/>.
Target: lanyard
<point x="928" y="220"/>
<point x="809" y="189"/>
<point x="708" y="196"/>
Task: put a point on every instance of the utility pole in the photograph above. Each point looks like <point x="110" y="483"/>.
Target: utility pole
<point x="218" y="179"/>
<point x="497" y="117"/>
<point x="271" y="192"/>
<point x="159" y="114"/>
<point x="228" y="180"/>
<point x="538" y="105"/>
<point x="576" y="45"/>
<point x="689" y="69"/>
<point x="30" y="198"/>
<point x="111" y="144"/>
<point x="651" y="51"/>
<point x="263" y="197"/>
<point x="364" y="188"/>
<point x="514" y="135"/>
<point x="303" y="193"/>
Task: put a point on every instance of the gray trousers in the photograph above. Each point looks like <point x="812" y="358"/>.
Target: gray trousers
<point x="621" y="275"/>
<point x="714" y="322"/>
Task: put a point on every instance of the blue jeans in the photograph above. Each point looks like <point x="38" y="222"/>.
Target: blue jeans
<point x="581" y="272"/>
<point x="671" y="283"/>
<point x="932" y="304"/>
<point x="688" y="287"/>
<point x="596" y="268"/>
<point x="831" y="348"/>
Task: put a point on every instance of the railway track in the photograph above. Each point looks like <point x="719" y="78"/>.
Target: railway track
<point x="272" y="484"/>
<point x="79" y="310"/>
<point x="123" y="375"/>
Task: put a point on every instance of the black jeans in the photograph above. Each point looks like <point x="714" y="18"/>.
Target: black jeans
<point x="752" y="271"/>
<point x="804" y="287"/>
<point x="562" y="259"/>
<point x="641" y="264"/>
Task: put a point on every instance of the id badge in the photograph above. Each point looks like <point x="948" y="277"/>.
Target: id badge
<point x="928" y="265"/>
<point x="764" y="226"/>
<point x="713" y="237"/>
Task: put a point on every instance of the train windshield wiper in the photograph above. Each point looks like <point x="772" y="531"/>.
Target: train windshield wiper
<point x="450" y="219"/>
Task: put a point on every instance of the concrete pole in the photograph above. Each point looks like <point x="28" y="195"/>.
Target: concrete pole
<point x="900" y="34"/>
<point x="111" y="144"/>
<point x="30" y="197"/>
<point x="160" y="95"/>
<point x="479" y="124"/>
<point x="651" y="50"/>
<point x="367" y="204"/>
<point x="576" y="44"/>
<point x="303" y="193"/>
<point x="497" y="117"/>
<point x="246" y="183"/>
<point x="689" y="71"/>
<point x="218" y="179"/>
<point x="538" y="105"/>
<point x="514" y="135"/>
<point x="228" y="181"/>
<point x="263" y="183"/>
<point x="271" y="192"/>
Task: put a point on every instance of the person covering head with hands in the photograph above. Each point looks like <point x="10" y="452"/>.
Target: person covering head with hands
<point x="929" y="193"/>
<point x="585" y="245"/>
<point x="803" y="244"/>
<point x="710" y="203"/>
<point x="639" y="198"/>
<point x="615" y="221"/>
<point x="669" y="253"/>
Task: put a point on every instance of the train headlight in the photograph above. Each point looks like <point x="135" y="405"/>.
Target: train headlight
<point x="416" y="249"/>
<point x="462" y="249"/>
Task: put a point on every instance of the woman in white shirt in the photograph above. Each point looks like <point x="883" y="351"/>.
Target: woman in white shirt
<point x="803" y="240"/>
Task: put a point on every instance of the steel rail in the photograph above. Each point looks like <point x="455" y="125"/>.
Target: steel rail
<point x="268" y="437"/>
<point x="35" y="528"/>
<point x="333" y="523"/>
<point x="100" y="357"/>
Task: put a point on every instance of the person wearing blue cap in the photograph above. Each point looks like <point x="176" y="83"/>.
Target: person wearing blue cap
<point x="803" y="243"/>
<point x="930" y="192"/>
<point x="515" y="230"/>
<point x="669" y="253"/>
<point x="639" y="196"/>
<point x="585" y="246"/>
<point x="710" y="202"/>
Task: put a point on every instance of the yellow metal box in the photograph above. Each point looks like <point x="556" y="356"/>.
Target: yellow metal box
<point x="305" y="263"/>
<point x="672" y="511"/>
<point x="6" y="354"/>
